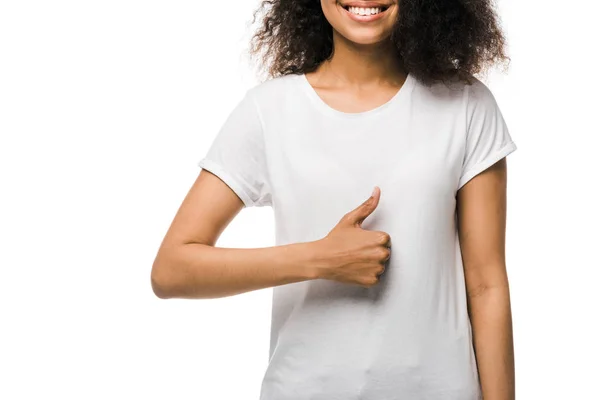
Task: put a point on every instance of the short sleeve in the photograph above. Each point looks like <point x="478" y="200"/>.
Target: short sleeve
<point x="487" y="139"/>
<point x="237" y="154"/>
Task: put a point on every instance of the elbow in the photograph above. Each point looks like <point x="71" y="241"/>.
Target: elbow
<point x="482" y="290"/>
<point x="159" y="280"/>
<point x="159" y="288"/>
<point x="171" y="276"/>
<point x="474" y="291"/>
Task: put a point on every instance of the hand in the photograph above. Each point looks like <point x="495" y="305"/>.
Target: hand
<point x="351" y="254"/>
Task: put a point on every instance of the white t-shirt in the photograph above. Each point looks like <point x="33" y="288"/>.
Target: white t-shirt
<point x="409" y="336"/>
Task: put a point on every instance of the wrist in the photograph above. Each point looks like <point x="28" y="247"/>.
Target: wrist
<point x="317" y="259"/>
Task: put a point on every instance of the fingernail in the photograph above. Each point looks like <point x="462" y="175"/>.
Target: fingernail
<point x="374" y="189"/>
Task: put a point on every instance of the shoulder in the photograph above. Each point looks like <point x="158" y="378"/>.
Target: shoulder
<point x="455" y="86"/>
<point x="274" y="89"/>
<point x="479" y="94"/>
<point x="459" y="93"/>
<point x="276" y="97"/>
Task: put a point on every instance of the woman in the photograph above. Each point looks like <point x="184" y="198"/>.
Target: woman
<point x="403" y="295"/>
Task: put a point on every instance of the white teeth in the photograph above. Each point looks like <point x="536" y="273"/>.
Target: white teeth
<point x="364" y="11"/>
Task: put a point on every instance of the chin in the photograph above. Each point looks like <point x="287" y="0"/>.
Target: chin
<point x="364" y="38"/>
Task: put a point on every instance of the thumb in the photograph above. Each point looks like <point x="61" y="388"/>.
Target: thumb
<point x="360" y="213"/>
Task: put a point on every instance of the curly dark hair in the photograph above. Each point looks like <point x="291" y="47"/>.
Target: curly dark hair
<point x="436" y="40"/>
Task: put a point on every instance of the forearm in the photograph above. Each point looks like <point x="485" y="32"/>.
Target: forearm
<point x="201" y="271"/>
<point x="493" y="342"/>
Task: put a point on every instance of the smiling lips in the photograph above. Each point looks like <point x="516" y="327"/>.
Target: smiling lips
<point x="365" y="11"/>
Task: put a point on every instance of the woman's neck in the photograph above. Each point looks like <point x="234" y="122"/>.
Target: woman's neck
<point x="359" y="65"/>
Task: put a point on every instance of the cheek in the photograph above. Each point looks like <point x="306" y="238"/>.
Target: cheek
<point x="331" y="11"/>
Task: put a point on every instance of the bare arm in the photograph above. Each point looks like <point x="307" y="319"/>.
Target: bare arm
<point x="481" y="207"/>
<point x="188" y="265"/>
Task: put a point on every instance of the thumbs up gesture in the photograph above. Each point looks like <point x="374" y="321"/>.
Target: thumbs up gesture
<point x="351" y="254"/>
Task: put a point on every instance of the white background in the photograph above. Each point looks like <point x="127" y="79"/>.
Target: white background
<point x="105" y="108"/>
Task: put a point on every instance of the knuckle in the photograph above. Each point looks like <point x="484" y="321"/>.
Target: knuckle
<point x="388" y="253"/>
<point x="370" y="281"/>
<point x="382" y="253"/>
<point x="383" y="238"/>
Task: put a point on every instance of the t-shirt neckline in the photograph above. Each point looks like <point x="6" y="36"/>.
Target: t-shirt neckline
<point x="324" y="107"/>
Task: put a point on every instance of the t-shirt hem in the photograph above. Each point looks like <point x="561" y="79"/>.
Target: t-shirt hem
<point x="486" y="163"/>
<point x="228" y="178"/>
